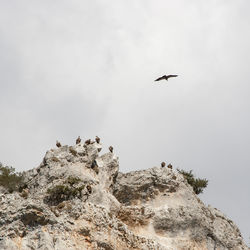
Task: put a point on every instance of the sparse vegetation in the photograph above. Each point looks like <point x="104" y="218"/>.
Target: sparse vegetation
<point x="72" y="151"/>
<point x="67" y="191"/>
<point x="61" y="193"/>
<point x="9" y="179"/>
<point x="55" y="159"/>
<point x="72" y="180"/>
<point x="197" y="184"/>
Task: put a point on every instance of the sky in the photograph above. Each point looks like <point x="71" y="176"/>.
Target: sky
<point x="87" y="68"/>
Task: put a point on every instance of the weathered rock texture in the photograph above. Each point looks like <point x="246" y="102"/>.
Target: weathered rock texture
<point x="104" y="209"/>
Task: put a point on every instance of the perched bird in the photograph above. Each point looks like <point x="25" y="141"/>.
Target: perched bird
<point x="88" y="142"/>
<point x="97" y="139"/>
<point x="78" y="140"/>
<point x="111" y="149"/>
<point x="170" y="166"/>
<point x="163" y="164"/>
<point x="165" y="77"/>
<point x="58" y="144"/>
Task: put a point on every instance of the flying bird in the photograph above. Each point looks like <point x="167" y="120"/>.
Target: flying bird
<point x="165" y="77"/>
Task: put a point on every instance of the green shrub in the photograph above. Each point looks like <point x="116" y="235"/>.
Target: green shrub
<point x="61" y="193"/>
<point x="197" y="184"/>
<point x="9" y="179"/>
<point x="72" y="151"/>
<point x="72" y="180"/>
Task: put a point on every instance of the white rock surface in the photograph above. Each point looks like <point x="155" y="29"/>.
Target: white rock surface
<point x="149" y="209"/>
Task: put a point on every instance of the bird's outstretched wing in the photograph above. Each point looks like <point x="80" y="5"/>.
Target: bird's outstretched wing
<point x="171" y="76"/>
<point x="161" y="78"/>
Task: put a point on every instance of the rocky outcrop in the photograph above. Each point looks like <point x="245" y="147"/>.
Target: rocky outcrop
<point x="77" y="199"/>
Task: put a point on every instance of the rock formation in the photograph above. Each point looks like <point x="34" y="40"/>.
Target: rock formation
<point x="66" y="204"/>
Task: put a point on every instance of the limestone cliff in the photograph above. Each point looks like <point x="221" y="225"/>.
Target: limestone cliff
<point x="77" y="199"/>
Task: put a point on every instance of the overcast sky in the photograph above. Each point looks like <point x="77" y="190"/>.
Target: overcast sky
<point x="87" y="68"/>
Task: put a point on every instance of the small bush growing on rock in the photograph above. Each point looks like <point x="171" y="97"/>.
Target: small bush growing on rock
<point x="9" y="179"/>
<point x="72" y="180"/>
<point x="55" y="159"/>
<point x="61" y="193"/>
<point x="197" y="184"/>
<point x="72" y="151"/>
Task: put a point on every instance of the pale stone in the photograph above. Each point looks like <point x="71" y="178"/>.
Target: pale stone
<point x="148" y="209"/>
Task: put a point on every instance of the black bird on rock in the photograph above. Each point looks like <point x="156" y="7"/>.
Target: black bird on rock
<point x="111" y="149"/>
<point x="58" y="144"/>
<point x="87" y="142"/>
<point x="97" y="139"/>
<point x="163" y="164"/>
<point x="78" y="140"/>
<point x="170" y="166"/>
<point x="165" y="77"/>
